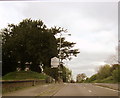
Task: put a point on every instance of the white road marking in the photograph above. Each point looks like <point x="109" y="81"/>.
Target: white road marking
<point x="89" y="91"/>
<point x="45" y="85"/>
<point x="108" y="88"/>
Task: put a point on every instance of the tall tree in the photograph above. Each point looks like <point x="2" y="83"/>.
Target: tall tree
<point x="29" y="41"/>
<point x="104" y="71"/>
<point x="80" y="77"/>
<point x="66" y="47"/>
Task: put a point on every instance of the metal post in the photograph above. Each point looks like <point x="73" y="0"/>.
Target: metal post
<point x="60" y="52"/>
<point x="59" y="55"/>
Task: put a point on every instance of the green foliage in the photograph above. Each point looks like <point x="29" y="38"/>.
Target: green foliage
<point x="108" y="80"/>
<point x="66" y="74"/>
<point x="23" y="75"/>
<point x="92" y="78"/>
<point x="86" y="80"/>
<point x="104" y="72"/>
<point x="29" y="41"/>
<point x="67" y="50"/>
<point x="32" y="41"/>
<point x="53" y="72"/>
<point x="105" y="80"/>
<point x="0" y="48"/>
<point x="115" y="66"/>
<point x="116" y="74"/>
<point x="81" y="77"/>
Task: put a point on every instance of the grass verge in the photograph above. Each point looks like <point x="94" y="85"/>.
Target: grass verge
<point x="23" y="75"/>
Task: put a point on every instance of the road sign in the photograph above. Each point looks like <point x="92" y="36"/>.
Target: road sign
<point x="54" y="62"/>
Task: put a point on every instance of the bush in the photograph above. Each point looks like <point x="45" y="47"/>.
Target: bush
<point x="92" y="78"/>
<point x="86" y="80"/>
<point x="97" y="81"/>
<point x="53" y="72"/>
<point x="116" y="75"/>
<point x="108" y="80"/>
<point x="104" y="72"/>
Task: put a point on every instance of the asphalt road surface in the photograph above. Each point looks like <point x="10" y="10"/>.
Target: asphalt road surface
<point x="84" y="89"/>
<point x="66" y="89"/>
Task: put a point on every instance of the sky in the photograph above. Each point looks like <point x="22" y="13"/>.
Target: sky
<point x="93" y="27"/>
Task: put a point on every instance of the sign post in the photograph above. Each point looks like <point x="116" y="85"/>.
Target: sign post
<point x="54" y="62"/>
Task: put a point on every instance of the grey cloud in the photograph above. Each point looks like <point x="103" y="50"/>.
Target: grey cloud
<point x="93" y="27"/>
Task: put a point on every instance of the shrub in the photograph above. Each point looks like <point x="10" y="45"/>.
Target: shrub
<point x="116" y="75"/>
<point x="104" y="72"/>
<point x="92" y="78"/>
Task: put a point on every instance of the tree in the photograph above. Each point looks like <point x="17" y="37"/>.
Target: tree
<point x="67" y="48"/>
<point x="29" y="41"/>
<point x="114" y="67"/>
<point x="104" y="72"/>
<point x="53" y="72"/>
<point x="92" y="78"/>
<point x="66" y="74"/>
<point x="81" y="77"/>
<point x="116" y="75"/>
<point x="0" y="55"/>
<point x="116" y="72"/>
<point x="86" y="80"/>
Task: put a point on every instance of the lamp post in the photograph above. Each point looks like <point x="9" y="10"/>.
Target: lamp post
<point x="60" y="53"/>
<point x="60" y="48"/>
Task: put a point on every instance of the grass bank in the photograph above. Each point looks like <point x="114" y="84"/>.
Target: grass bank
<point x="23" y="75"/>
<point x="105" y="80"/>
<point x="32" y="77"/>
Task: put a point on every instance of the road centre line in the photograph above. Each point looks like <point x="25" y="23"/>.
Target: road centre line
<point x="89" y="91"/>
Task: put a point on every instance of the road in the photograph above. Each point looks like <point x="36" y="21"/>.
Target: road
<point x="85" y="90"/>
<point x="66" y="89"/>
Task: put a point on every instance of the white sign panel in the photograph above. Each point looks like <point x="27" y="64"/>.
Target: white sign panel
<point x="54" y="62"/>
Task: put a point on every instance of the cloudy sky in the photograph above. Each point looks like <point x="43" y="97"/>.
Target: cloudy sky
<point x="92" y="25"/>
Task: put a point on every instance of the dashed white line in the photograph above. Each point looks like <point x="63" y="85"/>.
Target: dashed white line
<point x="89" y="91"/>
<point x="45" y="85"/>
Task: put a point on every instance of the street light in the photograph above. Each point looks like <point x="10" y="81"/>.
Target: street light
<point x="60" y="53"/>
<point x="60" y="47"/>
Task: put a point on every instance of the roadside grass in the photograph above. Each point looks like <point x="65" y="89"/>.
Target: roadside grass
<point x="0" y="78"/>
<point x="23" y="75"/>
<point x="105" y="80"/>
<point x="108" y="80"/>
